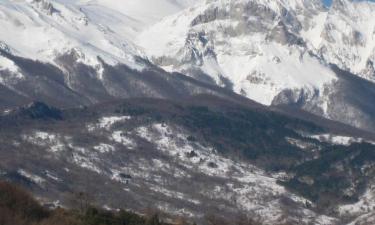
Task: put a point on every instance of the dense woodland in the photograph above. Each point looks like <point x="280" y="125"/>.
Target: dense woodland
<point x="18" y="207"/>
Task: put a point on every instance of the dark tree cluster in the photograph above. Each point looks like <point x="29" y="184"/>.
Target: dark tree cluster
<point x="18" y="207"/>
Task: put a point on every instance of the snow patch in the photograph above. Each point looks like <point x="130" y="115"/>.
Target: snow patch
<point x="7" y="65"/>
<point x="104" y="148"/>
<point x="124" y="139"/>
<point x="52" y="176"/>
<point x="174" y="194"/>
<point x="85" y="162"/>
<point x="34" y="178"/>
<point x="107" y="122"/>
<point x="53" y="142"/>
<point x="337" y="139"/>
<point x="58" y="28"/>
<point x="366" y="204"/>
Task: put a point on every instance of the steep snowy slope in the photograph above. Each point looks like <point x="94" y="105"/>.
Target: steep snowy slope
<point x="71" y="53"/>
<point x="67" y="46"/>
<point x="348" y="37"/>
<point x="274" y="52"/>
<point x="251" y="45"/>
<point x="43" y="30"/>
<point x="343" y="34"/>
<point x="145" y="11"/>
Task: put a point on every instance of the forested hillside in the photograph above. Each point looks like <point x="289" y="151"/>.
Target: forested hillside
<point x="18" y="207"/>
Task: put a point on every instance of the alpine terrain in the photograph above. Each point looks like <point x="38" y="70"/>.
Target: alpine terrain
<point x="246" y="111"/>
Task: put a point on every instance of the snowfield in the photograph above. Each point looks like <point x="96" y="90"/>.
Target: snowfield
<point x="145" y="11"/>
<point x="59" y="28"/>
<point x="337" y="139"/>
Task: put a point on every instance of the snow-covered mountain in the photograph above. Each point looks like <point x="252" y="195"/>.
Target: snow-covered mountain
<point x="251" y="45"/>
<point x="274" y="52"/>
<point x="71" y="53"/>
<point x="145" y="11"/>
<point x="43" y="30"/>
<point x="348" y="37"/>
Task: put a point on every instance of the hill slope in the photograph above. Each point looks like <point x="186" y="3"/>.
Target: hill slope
<point x="190" y="157"/>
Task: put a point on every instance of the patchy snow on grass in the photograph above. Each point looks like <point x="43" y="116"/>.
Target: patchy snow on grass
<point x="53" y="142"/>
<point x="39" y="138"/>
<point x="365" y="219"/>
<point x="251" y="190"/>
<point x="124" y="139"/>
<point x="168" y="168"/>
<point x="173" y="194"/>
<point x="246" y="187"/>
<point x="120" y="176"/>
<point x="366" y="204"/>
<point x="85" y="158"/>
<point x="107" y="122"/>
<point x="166" y="207"/>
<point x="104" y="148"/>
<point x="85" y="162"/>
<point x="174" y="142"/>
